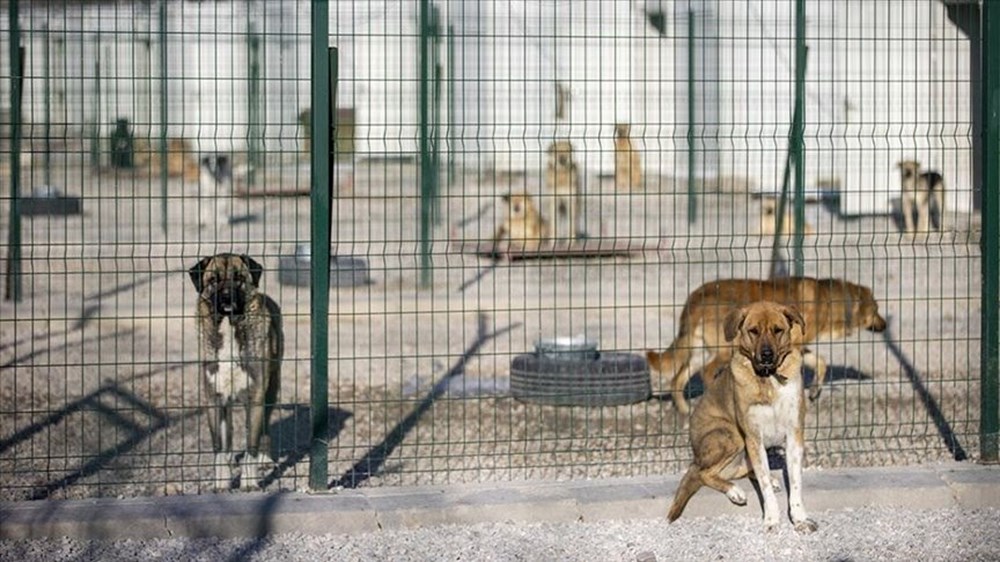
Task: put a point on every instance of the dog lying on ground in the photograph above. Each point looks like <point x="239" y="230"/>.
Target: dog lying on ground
<point x="562" y="180"/>
<point x="241" y="343"/>
<point x="628" y="174"/>
<point x="769" y="218"/>
<point x="755" y="402"/>
<point x="523" y="227"/>
<point x="832" y="308"/>
<point x="919" y="191"/>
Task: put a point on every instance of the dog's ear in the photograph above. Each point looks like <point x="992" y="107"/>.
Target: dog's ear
<point x="197" y="273"/>
<point x="795" y="319"/>
<point x="256" y="270"/>
<point x="734" y="323"/>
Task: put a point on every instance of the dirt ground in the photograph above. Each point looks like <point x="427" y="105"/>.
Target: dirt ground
<point x="99" y="387"/>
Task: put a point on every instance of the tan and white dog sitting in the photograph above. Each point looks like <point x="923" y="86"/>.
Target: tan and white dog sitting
<point x="920" y="189"/>
<point x="769" y="218"/>
<point x="523" y="228"/>
<point x="628" y="171"/>
<point x="755" y="402"/>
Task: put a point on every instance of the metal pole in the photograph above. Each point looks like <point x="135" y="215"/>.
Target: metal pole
<point x="323" y="87"/>
<point x="451" y="105"/>
<point x="692" y="197"/>
<point x="989" y="423"/>
<point x="255" y="140"/>
<point x="13" y="289"/>
<point x="163" y="115"/>
<point x="95" y="130"/>
<point x="798" y="138"/>
<point x="47" y="102"/>
<point x="426" y="162"/>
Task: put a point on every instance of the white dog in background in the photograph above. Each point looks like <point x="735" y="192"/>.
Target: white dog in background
<point x="216" y="190"/>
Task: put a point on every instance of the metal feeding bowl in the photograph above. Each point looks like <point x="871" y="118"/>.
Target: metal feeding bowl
<point x="345" y="271"/>
<point x="570" y="371"/>
<point x="577" y="347"/>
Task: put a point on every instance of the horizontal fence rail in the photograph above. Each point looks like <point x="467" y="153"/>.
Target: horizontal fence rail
<point x="522" y="197"/>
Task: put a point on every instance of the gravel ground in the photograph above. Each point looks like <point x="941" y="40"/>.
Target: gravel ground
<point x="874" y="533"/>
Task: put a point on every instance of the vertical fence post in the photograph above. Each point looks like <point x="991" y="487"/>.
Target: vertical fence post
<point x="322" y="84"/>
<point x="692" y="197"/>
<point x="451" y="105"/>
<point x="95" y="128"/>
<point x="426" y="162"/>
<point x="255" y="139"/>
<point x="13" y="288"/>
<point x="47" y="103"/>
<point x="163" y="115"/>
<point x="798" y="139"/>
<point x="989" y="423"/>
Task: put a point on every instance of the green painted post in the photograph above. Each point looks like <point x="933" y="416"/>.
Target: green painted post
<point x="95" y="127"/>
<point x="451" y="105"/>
<point x="47" y="104"/>
<point x="989" y="423"/>
<point x="798" y="138"/>
<point x="13" y="288"/>
<point x="323" y="91"/>
<point x="426" y="161"/>
<point x="692" y="197"/>
<point x="255" y="140"/>
<point x="163" y="115"/>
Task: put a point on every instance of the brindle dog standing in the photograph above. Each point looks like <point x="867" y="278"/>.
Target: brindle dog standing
<point x="755" y="402"/>
<point x="241" y="345"/>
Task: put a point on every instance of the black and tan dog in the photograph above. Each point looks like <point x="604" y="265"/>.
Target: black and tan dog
<point x="755" y="402"/>
<point x="832" y="308"/>
<point x="241" y="343"/>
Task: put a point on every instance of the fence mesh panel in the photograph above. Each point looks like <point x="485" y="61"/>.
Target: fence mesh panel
<point x="507" y="174"/>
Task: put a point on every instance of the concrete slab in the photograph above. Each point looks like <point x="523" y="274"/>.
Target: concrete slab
<point x="232" y="515"/>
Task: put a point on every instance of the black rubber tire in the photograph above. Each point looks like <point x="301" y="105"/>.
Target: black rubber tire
<point x="613" y="379"/>
<point x="345" y="271"/>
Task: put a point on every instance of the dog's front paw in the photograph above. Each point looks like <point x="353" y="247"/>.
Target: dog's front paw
<point x="806" y="526"/>
<point x="814" y="391"/>
<point x="736" y="495"/>
<point x="771" y="523"/>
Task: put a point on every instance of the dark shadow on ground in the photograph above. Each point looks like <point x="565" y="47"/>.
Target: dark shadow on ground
<point x="291" y="436"/>
<point x="916" y="381"/>
<point x="373" y="462"/>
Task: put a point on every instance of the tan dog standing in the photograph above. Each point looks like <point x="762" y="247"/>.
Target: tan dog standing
<point x="832" y="309"/>
<point x="628" y="173"/>
<point x="562" y="180"/>
<point x="523" y="228"/>
<point x="769" y="218"/>
<point x="919" y="191"/>
<point x="757" y="402"/>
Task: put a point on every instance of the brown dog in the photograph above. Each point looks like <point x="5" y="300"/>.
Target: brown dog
<point x="628" y="174"/>
<point x="562" y="179"/>
<point x="756" y="402"/>
<point x="769" y="218"/>
<point x="523" y="227"/>
<point x="832" y="309"/>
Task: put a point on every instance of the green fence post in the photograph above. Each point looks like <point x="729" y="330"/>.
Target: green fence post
<point x="163" y="115"/>
<point x="95" y="125"/>
<point x="426" y="162"/>
<point x="798" y="138"/>
<point x="255" y="139"/>
<point x="989" y="423"/>
<point x="47" y="103"/>
<point x="13" y="289"/>
<point x="323" y="88"/>
<point x="692" y="197"/>
<point x="451" y="106"/>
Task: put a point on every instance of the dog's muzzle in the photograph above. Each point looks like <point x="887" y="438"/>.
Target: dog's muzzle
<point x="766" y="362"/>
<point x="227" y="301"/>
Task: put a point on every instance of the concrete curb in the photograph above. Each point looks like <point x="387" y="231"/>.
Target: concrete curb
<point x="374" y="509"/>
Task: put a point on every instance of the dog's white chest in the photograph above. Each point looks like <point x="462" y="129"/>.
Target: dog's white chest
<point x="775" y="421"/>
<point x="230" y="379"/>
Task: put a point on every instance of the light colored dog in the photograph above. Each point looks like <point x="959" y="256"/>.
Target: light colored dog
<point x="832" y="308"/>
<point x="216" y="190"/>
<point x="757" y="401"/>
<point x="769" y="218"/>
<point x="562" y="179"/>
<point x="628" y="173"/>
<point x="920" y="190"/>
<point x="523" y="228"/>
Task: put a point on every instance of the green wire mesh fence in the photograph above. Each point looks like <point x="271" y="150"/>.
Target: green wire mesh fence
<point x="523" y="196"/>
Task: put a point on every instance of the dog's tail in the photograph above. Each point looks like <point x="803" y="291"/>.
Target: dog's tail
<point x="690" y="484"/>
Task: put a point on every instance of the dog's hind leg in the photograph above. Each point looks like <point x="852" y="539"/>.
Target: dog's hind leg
<point x="690" y="484"/>
<point x="818" y="365"/>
